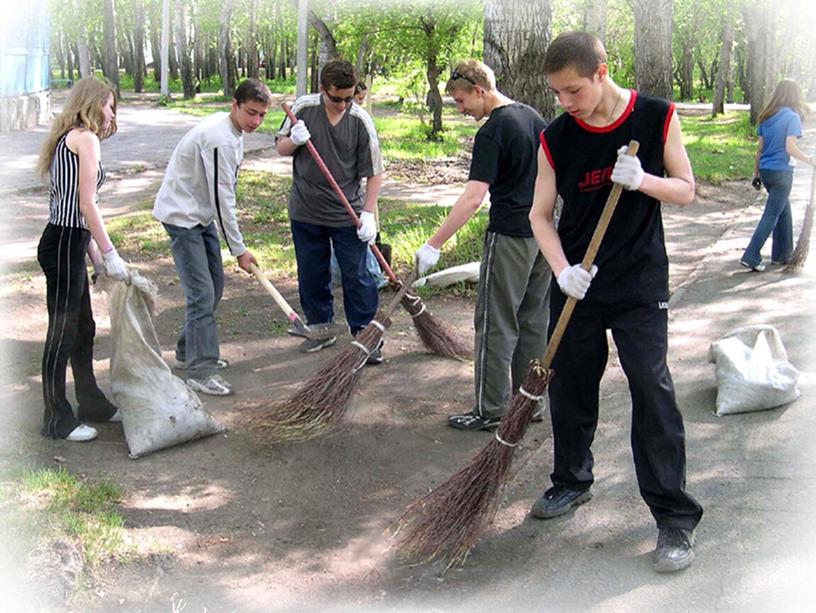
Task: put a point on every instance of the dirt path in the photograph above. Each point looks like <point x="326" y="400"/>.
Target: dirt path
<point x="240" y="525"/>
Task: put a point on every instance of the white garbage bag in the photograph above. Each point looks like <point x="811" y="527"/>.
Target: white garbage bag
<point x="753" y="371"/>
<point x="158" y="409"/>
<point x="463" y="272"/>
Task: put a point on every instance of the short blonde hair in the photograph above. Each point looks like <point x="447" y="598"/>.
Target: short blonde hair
<point x="468" y="74"/>
<point x="82" y="109"/>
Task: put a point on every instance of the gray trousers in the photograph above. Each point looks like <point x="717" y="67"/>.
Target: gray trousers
<point x="197" y="256"/>
<point x="511" y="318"/>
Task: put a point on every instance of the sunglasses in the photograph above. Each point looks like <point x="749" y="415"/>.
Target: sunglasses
<point x="458" y="75"/>
<point x="338" y="99"/>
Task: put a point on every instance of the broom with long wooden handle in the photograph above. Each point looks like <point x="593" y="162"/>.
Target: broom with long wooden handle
<point x="433" y="334"/>
<point x="320" y="404"/>
<point x="447" y="522"/>
<point x="800" y="252"/>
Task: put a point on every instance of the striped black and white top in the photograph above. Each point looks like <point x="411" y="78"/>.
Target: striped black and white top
<point x="63" y="203"/>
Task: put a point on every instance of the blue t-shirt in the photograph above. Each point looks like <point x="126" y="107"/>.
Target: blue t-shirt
<point x="774" y="131"/>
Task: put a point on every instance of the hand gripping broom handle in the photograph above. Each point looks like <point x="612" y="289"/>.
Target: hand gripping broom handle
<point x="327" y="173"/>
<point x="290" y="313"/>
<point x="586" y="264"/>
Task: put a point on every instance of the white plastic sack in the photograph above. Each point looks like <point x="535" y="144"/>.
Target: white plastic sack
<point x="464" y="272"/>
<point x="753" y="371"/>
<point x="158" y="409"/>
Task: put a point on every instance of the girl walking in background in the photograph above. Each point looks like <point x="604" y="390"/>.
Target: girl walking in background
<point x="780" y="125"/>
<point x="70" y="158"/>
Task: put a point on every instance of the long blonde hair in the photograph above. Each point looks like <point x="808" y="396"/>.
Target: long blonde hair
<point x="787" y="93"/>
<point x="82" y="109"/>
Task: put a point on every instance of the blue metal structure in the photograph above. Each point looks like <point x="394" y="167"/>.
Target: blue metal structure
<point x="24" y="47"/>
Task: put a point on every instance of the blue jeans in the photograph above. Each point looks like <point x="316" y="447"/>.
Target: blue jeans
<point x="197" y="255"/>
<point x="776" y="219"/>
<point x="313" y="253"/>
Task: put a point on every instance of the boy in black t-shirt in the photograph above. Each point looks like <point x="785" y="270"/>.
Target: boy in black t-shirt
<point x="514" y="278"/>
<point x="582" y="153"/>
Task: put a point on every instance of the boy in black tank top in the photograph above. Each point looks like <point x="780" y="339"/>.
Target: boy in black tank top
<point x="581" y="155"/>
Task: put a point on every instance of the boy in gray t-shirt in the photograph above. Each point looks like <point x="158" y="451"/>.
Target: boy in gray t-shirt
<point x="344" y="135"/>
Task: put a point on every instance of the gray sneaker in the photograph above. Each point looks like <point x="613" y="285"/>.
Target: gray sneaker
<point x="674" y="550"/>
<point x="376" y="356"/>
<point x="312" y="345"/>
<point x="214" y="386"/>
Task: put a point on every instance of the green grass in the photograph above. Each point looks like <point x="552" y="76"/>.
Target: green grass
<point x="83" y="512"/>
<point x="405" y="137"/>
<point x="720" y="148"/>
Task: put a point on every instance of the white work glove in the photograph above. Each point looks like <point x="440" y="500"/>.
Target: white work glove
<point x="627" y="171"/>
<point x="299" y="133"/>
<point x="426" y="257"/>
<point x="367" y="232"/>
<point x="574" y="280"/>
<point x="115" y="266"/>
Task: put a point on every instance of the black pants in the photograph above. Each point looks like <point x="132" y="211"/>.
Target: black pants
<point x="71" y="329"/>
<point x="657" y="437"/>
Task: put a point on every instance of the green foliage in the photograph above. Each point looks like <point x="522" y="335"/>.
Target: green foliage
<point x="722" y="148"/>
<point x="407" y="226"/>
<point x="84" y="512"/>
<point x="404" y="137"/>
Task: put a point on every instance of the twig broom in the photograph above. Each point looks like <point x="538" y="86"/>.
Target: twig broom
<point x="320" y="403"/>
<point x="800" y="252"/>
<point x="448" y="521"/>
<point x="436" y="338"/>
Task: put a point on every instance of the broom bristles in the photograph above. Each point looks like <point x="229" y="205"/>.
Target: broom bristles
<point x="800" y="253"/>
<point x="434" y="336"/>
<point x="447" y="522"/>
<point x="320" y="403"/>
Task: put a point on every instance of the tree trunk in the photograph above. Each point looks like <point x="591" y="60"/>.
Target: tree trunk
<point x="314" y="82"/>
<point x="83" y="55"/>
<point x="252" y="42"/>
<point x="155" y="45"/>
<point x="724" y="68"/>
<point x="327" y="46"/>
<point x="225" y="49"/>
<point x="653" y="46"/>
<point x="183" y="47"/>
<point x="110" y="65"/>
<point x="516" y="36"/>
<point x="757" y="19"/>
<point x="594" y="17"/>
<point x="138" y="43"/>
<point x="69" y="58"/>
<point x="685" y="74"/>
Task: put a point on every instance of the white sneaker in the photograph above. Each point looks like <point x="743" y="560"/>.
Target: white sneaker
<point x="82" y="433"/>
<point x="182" y="365"/>
<point x="214" y="386"/>
<point x="116" y="417"/>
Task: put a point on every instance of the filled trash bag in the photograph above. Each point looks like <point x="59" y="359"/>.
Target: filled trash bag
<point x="753" y="371"/>
<point x="158" y="409"/>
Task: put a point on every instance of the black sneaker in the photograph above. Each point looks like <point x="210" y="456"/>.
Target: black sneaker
<point x="376" y="356"/>
<point x="311" y="345"/>
<point x="674" y="550"/>
<point x="558" y="500"/>
<point x="471" y="421"/>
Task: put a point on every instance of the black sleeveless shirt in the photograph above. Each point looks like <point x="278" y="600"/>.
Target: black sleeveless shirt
<point x="63" y="197"/>
<point x="632" y="264"/>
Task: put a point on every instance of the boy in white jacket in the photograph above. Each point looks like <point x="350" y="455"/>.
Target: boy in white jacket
<point x="197" y="195"/>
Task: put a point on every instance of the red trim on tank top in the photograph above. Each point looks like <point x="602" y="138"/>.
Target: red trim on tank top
<point x="612" y="126"/>
<point x="546" y="149"/>
<point x="667" y="122"/>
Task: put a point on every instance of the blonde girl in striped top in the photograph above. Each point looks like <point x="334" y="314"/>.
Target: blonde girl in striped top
<point x="70" y="158"/>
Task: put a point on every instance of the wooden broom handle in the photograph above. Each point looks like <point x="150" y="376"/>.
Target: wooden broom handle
<point x="586" y="263"/>
<point x="343" y="200"/>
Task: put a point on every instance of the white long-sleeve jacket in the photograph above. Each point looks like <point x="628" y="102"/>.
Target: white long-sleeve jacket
<point x="199" y="183"/>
